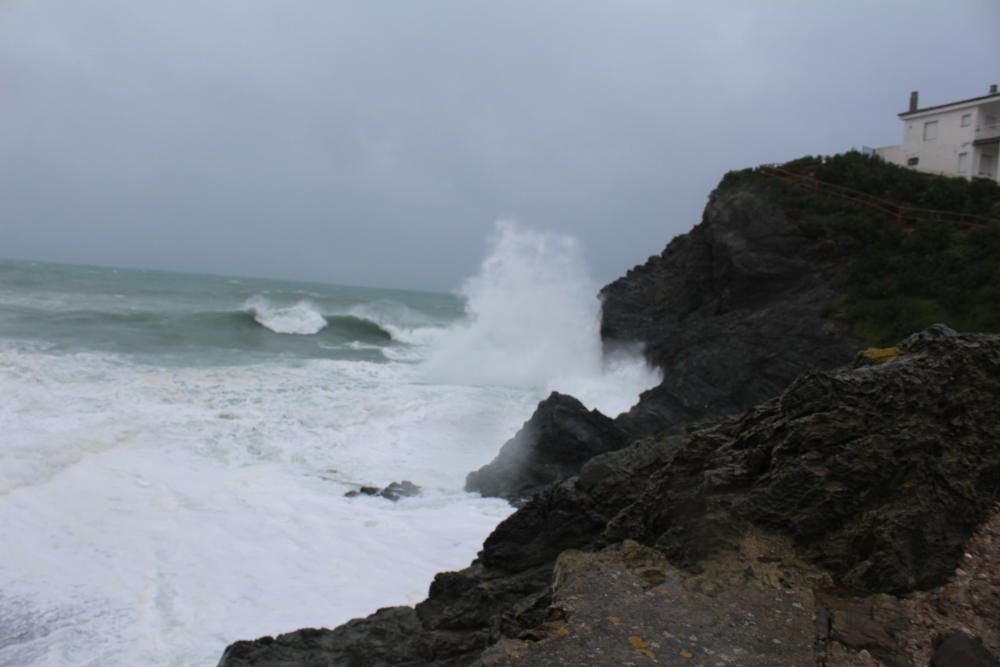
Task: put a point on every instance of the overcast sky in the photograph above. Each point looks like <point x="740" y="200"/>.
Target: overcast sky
<point x="375" y="142"/>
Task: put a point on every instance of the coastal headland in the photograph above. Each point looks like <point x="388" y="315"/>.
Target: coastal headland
<point x="814" y="482"/>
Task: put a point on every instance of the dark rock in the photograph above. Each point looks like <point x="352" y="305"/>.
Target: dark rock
<point x="479" y="600"/>
<point x="616" y="479"/>
<point x="552" y="445"/>
<point x="960" y="650"/>
<point x="880" y="473"/>
<point x="732" y="311"/>
<point x="822" y="623"/>
<point x="363" y="491"/>
<point x="932" y="336"/>
<point x="874" y="476"/>
<point x="870" y="625"/>
<point x="393" y="492"/>
<point x="387" y="637"/>
<point x="628" y="605"/>
<point x="397" y="490"/>
<point x="870" y="478"/>
<point x="560" y="517"/>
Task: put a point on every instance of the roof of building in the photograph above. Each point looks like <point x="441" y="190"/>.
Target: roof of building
<point x="950" y="104"/>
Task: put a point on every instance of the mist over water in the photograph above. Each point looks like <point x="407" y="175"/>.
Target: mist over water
<point x="533" y="320"/>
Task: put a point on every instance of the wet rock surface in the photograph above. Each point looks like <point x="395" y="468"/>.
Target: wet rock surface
<point x="554" y="444"/>
<point x="393" y="492"/>
<point x="856" y="494"/>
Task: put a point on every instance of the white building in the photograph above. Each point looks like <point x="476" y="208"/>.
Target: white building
<point x="956" y="139"/>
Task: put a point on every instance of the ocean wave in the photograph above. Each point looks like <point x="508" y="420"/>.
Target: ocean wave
<point x="256" y="326"/>
<point x="302" y="318"/>
<point x="358" y="329"/>
<point x="403" y="323"/>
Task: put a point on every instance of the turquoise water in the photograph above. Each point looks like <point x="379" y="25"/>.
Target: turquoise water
<point x="181" y="318"/>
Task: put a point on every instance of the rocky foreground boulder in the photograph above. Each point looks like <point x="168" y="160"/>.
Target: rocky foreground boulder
<point x="848" y="521"/>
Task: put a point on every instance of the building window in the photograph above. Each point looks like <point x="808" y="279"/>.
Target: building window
<point x="966" y="119"/>
<point x="912" y="162"/>
<point x="963" y="163"/>
<point x="930" y="130"/>
<point x="986" y="165"/>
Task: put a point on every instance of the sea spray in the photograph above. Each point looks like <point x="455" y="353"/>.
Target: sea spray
<point x="532" y="320"/>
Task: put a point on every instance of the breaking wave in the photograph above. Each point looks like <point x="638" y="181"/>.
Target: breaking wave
<point x="533" y="320"/>
<point x="299" y="329"/>
<point x="302" y="318"/>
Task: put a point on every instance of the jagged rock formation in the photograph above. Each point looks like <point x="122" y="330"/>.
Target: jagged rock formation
<point x="733" y="311"/>
<point x="558" y="439"/>
<point x="757" y="507"/>
<point x="862" y="466"/>
<point x="851" y="489"/>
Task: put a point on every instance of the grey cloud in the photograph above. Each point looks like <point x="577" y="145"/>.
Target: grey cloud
<point x="376" y="142"/>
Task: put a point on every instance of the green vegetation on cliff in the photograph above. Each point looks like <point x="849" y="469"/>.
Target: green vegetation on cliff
<point x="901" y="278"/>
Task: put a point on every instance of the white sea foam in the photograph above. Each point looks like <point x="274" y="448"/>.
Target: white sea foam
<point x="151" y="516"/>
<point x="533" y="321"/>
<point x="302" y="318"/>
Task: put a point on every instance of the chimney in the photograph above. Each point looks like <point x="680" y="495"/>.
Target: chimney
<point x="913" y="100"/>
<point x="993" y="89"/>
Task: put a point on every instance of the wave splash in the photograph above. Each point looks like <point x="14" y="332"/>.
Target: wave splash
<point x="302" y="318"/>
<point x="404" y="324"/>
<point x="533" y="319"/>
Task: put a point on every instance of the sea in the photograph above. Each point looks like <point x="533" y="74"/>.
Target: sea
<point x="175" y="449"/>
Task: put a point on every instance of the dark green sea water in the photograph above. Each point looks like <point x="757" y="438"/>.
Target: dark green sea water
<point x="186" y="318"/>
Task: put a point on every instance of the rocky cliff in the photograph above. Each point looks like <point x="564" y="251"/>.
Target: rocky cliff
<point x="823" y="526"/>
<point x="777" y="500"/>
<point x="778" y="279"/>
<point x="732" y="311"/>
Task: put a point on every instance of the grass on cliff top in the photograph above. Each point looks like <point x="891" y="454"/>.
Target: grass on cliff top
<point x="899" y="282"/>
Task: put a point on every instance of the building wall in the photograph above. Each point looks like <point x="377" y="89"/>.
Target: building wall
<point x="893" y="154"/>
<point x="987" y="162"/>
<point x="937" y="148"/>
<point x="939" y="142"/>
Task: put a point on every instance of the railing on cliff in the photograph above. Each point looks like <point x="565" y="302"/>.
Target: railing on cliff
<point x="906" y="216"/>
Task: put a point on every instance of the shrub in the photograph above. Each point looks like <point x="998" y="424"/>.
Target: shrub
<point x="899" y="281"/>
